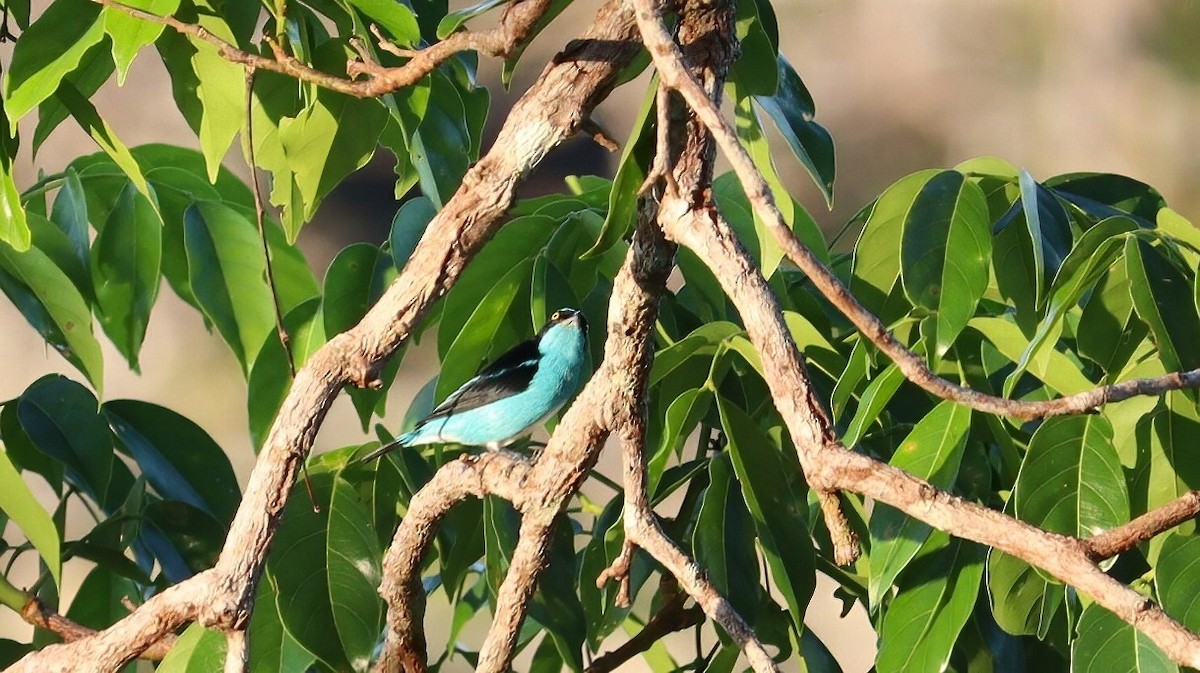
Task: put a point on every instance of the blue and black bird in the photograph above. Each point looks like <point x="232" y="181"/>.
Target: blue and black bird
<point x="521" y="389"/>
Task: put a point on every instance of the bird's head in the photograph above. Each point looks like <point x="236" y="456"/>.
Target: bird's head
<point x="566" y="326"/>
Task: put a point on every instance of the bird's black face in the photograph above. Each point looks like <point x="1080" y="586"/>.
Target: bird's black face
<point x="567" y="315"/>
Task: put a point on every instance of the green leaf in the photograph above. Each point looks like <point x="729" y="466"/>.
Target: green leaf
<point x="193" y="533"/>
<point x="1023" y="602"/>
<point x="877" y="252"/>
<point x="1108" y="645"/>
<point x="97" y="604"/>
<point x="61" y="418"/>
<point x="511" y="246"/>
<point x="475" y="342"/>
<point x="14" y="230"/>
<point x="198" y="650"/>
<point x="70" y="215"/>
<point x="923" y="621"/>
<point x="272" y="648"/>
<point x="125" y="262"/>
<point x="454" y="20"/>
<point x="750" y="134"/>
<point x="1056" y="370"/>
<point x="723" y="540"/>
<point x="356" y="279"/>
<point x="792" y="109"/>
<point x="933" y="452"/>
<point x="1097" y="250"/>
<point x="774" y="493"/>
<point x="95" y="68"/>
<point x="50" y="49"/>
<point x="510" y="63"/>
<point x="221" y="93"/>
<point x="179" y="459"/>
<point x="270" y="377"/>
<point x="408" y="226"/>
<point x="328" y="140"/>
<point x="1162" y="296"/>
<point x="754" y="72"/>
<point x="1049" y="231"/>
<point x="19" y="505"/>
<point x="54" y="307"/>
<point x="129" y="33"/>
<point x="1071" y="480"/>
<point x="299" y="566"/>
<point x="945" y="252"/>
<point x="1170" y="468"/>
<point x="631" y="173"/>
<point x="441" y="145"/>
<point x="228" y="276"/>
<point x="1177" y="578"/>
<point x="1106" y="194"/>
<point x="872" y="403"/>
<point x="353" y="571"/>
<point x="89" y="119"/>
<point x="394" y="17"/>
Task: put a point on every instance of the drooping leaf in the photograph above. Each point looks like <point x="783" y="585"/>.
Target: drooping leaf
<point x="89" y="119"/>
<point x="441" y="145"/>
<point x="631" y="173"/>
<point x="130" y="33"/>
<point x="179" y="459"/>
<point x="62" y="419"/>
<point x="407" y="228"/>
<point x="1023" y="602"/>
<point x="945" y="251"/>
<point x="54" y="307"/>
<point x="227" y="274"/>
<point x="932" y="451"/>
<point x="272" y="648"/>
<point x="220" y="92"/>
<point x="770" y="488"/>
<point x="50" y="48"/>
<point x="298" y="565"/>
<point x="923" y="621"/>
<point x="877" y="252"/>
<point x="723" y="541"/>
<point x="125" y="261"/>
<point x="792" y="109"/>
<point x="98" y="603"/>
<point x="1177" y="578"/>
<point x="454" y="20"/>
<point x="22" y="508"/>
<point x="1163" y="299"/>
<point x="353" y="571"/>
<point x="754" y="72"/>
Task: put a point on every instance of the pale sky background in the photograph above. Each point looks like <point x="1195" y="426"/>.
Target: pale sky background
<point x="1054" y="87"/>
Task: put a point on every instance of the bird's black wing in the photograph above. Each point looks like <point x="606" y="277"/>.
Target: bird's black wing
<point x="508" y="375"/>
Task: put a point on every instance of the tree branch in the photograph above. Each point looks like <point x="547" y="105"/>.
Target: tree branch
<point x="670" y="64"/>
<point x="494" y="473"/>
<point x="37" y="613"/>
<point x="832" y="466"/>
<point x="1143" y="528"/>
<point x="672" y="617"/>
<point x="549" y="113"/>
<point x="514" y="27"/>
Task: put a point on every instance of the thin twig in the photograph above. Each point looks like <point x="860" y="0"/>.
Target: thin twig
<point x="671" y="617"/>
<point x="512" y="30"/>
<point x="237" y="651"/>
<point x="1147" y="526"/>
<point x="669" y="62"/>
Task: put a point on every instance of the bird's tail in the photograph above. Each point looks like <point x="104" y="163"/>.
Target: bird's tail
<point x="400" y="441"/>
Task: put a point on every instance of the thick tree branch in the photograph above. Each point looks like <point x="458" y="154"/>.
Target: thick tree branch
<point x="495" y="473"/>
<point x="1145" y="527"/>
<point x="514" y="27"/>
<point x="670" y="64"/>
<point x="550" y="112"/>
<point x="37" y="613"/>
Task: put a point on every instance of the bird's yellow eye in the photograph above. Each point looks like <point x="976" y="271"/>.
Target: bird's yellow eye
<point x="556" y="316"/>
